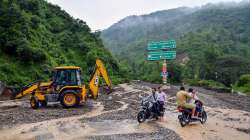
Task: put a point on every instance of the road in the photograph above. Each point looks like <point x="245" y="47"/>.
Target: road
<point x="114" y="117"/>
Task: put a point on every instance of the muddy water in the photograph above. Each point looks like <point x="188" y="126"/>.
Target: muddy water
<point x="63" y="128"/>
<point x="72" y="128"/>
<point x="217" y="127"/>
<point x="10" y="103"/>
<point x="222" y="124"/>
<point x="75" y="129"/>
<point x="111" y="127"/>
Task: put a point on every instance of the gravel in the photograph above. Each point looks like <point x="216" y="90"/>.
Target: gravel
<point x="22" y="114"/>
<point x="13" y="115"/>
<point x="159" y="134"/>
<point x="245" y="130"/>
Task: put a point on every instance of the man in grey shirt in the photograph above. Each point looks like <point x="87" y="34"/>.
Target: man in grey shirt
<point x="153" y="100"/>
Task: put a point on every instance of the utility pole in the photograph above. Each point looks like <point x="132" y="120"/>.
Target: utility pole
<point x="164" y="72"/>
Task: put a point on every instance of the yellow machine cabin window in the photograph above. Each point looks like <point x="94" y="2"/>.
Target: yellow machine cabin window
<point x="70" y="77"/>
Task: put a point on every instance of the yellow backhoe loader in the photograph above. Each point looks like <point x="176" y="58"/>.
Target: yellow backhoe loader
<point x="65" y="87"/>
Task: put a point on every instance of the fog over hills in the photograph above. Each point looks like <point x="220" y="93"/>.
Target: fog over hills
<point x="222" y="29"/>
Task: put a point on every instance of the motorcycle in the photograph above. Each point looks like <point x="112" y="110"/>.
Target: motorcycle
<point x="186" y="114"/>
<point x="147" y="111"/>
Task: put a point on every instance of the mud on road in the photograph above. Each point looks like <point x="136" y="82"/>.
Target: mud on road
<point x="114" y="117"/>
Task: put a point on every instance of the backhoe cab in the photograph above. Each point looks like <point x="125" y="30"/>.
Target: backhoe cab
<point x="66" y="87"/>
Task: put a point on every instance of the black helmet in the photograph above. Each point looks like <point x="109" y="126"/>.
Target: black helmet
<point x="190" y="90"/>
<point x="182" y="88"/>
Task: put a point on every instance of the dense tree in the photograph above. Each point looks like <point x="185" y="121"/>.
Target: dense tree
<point x="215" y="40"/>
<point x="36" y="36"/>
<point x="230" y="68"/>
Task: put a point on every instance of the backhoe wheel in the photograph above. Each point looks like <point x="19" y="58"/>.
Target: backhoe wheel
<point x="34" y="102"/>
<point x="43" y="103"/>
<point x="69" y="99"/>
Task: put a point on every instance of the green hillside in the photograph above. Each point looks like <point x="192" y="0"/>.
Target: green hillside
<point x="36" y="36"/>
<point x="213" y="42"/>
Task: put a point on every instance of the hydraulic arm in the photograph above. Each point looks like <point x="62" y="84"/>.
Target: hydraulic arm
<point x="65" y="87"/>
<point x="100" y="71"/>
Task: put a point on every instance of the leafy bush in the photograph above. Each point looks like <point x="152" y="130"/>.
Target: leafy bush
<point x="244" y="80"/>
<point x="191" y="82"/>
<point x="205" y="83"/>
<point x="245" y="88"/>
<point x="243" y="85"/>
<point x="28" y="54"/>
<point x="211" y="83"/>
<point x="153" y="77"/>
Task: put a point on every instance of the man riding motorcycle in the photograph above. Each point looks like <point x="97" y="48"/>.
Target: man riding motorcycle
<point x="182" y="98"/>
<point x="153" y="99"/>
<point x="149" y="107"/>
<point x="191" y="110"/>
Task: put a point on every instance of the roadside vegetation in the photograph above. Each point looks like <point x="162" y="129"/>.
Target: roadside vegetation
<point x="212" y="44"/>
<point x="208" y="84"/>
<point x="243" y="85"/>
<point x="36" y="36"/>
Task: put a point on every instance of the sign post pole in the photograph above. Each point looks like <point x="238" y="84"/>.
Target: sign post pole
<point x="164" y="72"/>
<point x="162" y="50"/>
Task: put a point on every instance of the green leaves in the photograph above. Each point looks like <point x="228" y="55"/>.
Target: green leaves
<point x="35" y="34"/>
<point x="243" y="84"/>
<point x="244" y="80"/>
<point x="206" y="39"/>
<point x="230" y="68"/>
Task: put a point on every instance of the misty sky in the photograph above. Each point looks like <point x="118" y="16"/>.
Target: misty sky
<point x="100" y="14"/>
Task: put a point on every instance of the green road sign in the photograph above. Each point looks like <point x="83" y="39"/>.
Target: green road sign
<point x="161" y="55"/>
<point x="162" y="45"/>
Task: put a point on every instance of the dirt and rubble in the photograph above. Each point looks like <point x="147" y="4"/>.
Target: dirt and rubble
<point x="113" y="117"/>
<point x="19" y="112"/>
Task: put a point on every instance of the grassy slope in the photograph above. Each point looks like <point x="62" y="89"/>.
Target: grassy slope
<point x="37" y="36"/>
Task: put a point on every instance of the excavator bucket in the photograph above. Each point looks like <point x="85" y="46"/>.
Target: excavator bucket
<point x="27" y="89"/>
<point x="14" y="93"/>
